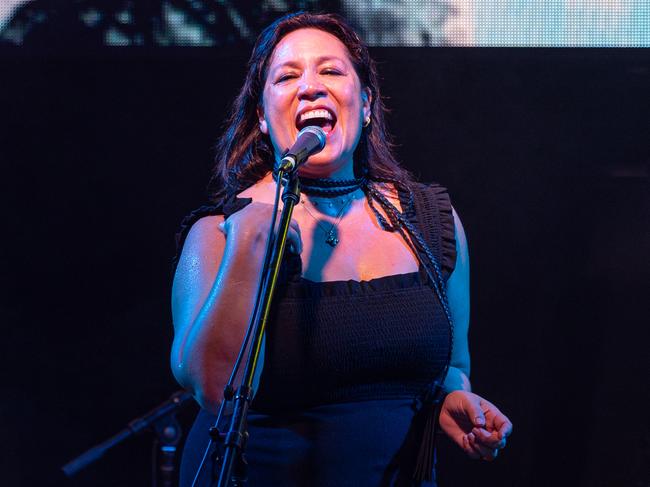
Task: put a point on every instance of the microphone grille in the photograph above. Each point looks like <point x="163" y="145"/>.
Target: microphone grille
<point x="318" y="132"/>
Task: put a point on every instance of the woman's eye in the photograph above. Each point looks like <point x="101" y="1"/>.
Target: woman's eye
<point x="285" y="77"/>
<point x="331" y="71"/>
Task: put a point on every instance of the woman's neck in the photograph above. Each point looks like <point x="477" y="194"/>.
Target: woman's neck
<point x="327" y="172"/>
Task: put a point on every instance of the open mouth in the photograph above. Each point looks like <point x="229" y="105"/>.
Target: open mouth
<point x="320" y="117"/>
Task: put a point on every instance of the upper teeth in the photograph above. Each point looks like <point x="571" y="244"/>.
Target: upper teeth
<point x="316" y="114"/>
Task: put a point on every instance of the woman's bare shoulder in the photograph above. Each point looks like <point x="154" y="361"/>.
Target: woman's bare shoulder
<point x="204" y="239"/>
<point x="262" y="191"/>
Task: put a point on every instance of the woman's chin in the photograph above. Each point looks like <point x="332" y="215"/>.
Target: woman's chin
<point x="319" y="166"/>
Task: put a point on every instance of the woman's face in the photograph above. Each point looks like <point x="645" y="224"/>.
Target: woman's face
<point x="312" y="81"/>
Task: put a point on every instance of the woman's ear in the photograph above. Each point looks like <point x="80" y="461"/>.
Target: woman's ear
<point x="264" y="128"/>
<point x="366" y="102"/>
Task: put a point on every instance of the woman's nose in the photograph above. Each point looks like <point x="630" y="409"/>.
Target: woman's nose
<point x="311" y="88"/>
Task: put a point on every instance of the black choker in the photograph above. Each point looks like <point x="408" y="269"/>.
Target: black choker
<point x="330" y="187"/>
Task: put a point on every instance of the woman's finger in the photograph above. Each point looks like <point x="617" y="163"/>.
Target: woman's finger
<point x="294" y="238"/>
<point x="486" y="453"/>
<point x="468" y="448"/>
<point x="294" y="225"/>
<point x="491" y="456"/>
<point x="496" y="420"/>
<point x="489" y="439"/>
<point x="503" y="425"/>
<point x="473" y="410"/>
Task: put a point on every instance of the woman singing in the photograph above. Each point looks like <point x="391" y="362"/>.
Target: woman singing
<point x="366" y="351"/>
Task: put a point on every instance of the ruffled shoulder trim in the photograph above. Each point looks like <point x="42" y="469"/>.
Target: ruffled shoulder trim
<point x="431" y="212"/>
<point x="227" y="208"/>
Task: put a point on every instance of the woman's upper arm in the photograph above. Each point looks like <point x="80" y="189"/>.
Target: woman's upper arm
<point x="195" y="274"/>
<point x="458" y="296"/>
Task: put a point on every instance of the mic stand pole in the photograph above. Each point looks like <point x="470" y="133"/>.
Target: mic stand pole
<point x="164" y="453"/>
<point x="235" y="439"/>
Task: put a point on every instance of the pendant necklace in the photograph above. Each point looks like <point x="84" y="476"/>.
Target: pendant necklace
<point x="331" y="233"/>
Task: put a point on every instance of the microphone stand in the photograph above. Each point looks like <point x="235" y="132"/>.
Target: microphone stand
<point x="235" y="439"/>
<point x="168" y="434"/>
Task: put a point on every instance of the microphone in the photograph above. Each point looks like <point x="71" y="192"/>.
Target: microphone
<point x="310" y="140"/>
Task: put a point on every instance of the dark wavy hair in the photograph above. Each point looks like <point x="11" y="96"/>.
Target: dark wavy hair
<point x="245" y="154"/>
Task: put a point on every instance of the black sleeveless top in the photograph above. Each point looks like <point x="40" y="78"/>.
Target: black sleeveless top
<point x="344" y="361"/>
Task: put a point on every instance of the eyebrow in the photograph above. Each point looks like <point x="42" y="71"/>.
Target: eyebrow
<point x="319" y="60"/>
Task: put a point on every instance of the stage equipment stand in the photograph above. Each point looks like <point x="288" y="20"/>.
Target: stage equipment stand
<point x="233" y="465"/>
<point x="162" y="420"/>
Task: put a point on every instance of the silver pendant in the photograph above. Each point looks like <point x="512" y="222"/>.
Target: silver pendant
<point x="331" y="239"/>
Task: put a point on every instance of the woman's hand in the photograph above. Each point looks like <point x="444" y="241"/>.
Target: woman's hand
<point x="476" y="425"/>
<point x="251" y="226"/>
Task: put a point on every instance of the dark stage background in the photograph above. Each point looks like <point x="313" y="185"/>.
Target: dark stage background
<point x="546" y="156"/>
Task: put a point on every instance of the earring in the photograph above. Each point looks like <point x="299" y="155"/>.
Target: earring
<point x="366" y="122"/>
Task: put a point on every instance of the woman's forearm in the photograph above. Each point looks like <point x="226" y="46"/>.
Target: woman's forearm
<point x="205" y="349"/>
